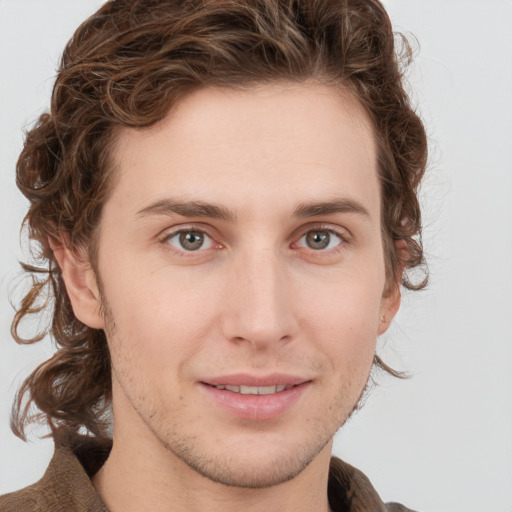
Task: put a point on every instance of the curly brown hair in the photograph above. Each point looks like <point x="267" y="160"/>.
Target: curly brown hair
<point x="126" y="66"/>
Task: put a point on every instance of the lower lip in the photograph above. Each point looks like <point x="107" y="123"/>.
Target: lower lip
<point x="256" y="407"/>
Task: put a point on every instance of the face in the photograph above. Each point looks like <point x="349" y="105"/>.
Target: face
<point x="242" y="275"/>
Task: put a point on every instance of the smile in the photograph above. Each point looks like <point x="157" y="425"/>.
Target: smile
<point x="255" y="390"/>
<point x="255" y="398"/>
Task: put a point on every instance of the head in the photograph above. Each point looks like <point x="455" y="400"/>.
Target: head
<point x="131" y="77"/>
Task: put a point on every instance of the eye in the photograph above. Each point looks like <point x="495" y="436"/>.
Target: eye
<point x="190" y="240"/>
<point x="320" y="239"/>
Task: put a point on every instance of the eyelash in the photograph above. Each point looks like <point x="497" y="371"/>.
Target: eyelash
<point x="342" y="235"/>
<point x="183" y="252"/>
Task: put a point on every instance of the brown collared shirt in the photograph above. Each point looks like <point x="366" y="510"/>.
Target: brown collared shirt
<point x="66" y="486"/>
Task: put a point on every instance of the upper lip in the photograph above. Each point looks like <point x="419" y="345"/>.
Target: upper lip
<point x="242" y="379"/>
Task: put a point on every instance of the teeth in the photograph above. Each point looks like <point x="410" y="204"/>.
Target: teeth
<point x="266" y="390"/>
<point x="255" y="390"/>
<point x="248" y="390"/>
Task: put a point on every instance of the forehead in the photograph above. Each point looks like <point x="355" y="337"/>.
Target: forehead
<point x="280" y="142"/>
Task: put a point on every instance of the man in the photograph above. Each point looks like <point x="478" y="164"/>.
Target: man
<point x="224" y="195"/>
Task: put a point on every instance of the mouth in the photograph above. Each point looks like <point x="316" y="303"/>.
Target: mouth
<point x="253" y="390"/>
<point x="255" y="398"/>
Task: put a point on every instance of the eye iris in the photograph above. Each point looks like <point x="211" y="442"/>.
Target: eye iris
<point x="318" y="239"/>
<point x="191" y="240"/>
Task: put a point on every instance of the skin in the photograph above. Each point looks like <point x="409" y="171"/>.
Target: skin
<point x="261" y="295"/>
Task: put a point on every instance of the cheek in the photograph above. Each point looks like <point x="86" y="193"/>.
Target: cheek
<point x="343" y="317"/>
<point x="158" y="321"/>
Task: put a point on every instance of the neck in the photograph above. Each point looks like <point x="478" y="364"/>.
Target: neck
<point x="141" y="474"/>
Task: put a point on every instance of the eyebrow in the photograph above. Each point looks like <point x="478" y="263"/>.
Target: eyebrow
<point x="315" y="209"/>
<point x="187" y="209"/>
<point x="201" y="209"/>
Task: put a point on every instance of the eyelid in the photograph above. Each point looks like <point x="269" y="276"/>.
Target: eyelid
<point x="173" y="230"/>
<point x="340" y="231"/>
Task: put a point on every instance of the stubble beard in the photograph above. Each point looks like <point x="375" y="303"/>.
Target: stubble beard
<point x="231" y="471"/>
<point x="228" y="469"/>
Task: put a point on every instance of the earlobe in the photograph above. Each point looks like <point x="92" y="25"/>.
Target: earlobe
<point x="81" y="283"/>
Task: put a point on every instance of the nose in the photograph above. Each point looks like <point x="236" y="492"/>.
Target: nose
<point x="260" y="308"/>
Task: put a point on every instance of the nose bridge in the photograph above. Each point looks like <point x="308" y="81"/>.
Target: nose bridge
<point x="260" y="310"/>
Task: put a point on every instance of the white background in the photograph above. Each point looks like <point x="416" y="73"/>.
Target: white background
<point x="441" y="441"/>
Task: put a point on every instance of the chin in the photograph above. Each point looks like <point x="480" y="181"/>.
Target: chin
<point x="252" y="474"/>
<point x="249" y="465"/>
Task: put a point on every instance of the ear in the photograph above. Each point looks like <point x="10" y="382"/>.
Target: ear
<point x="80" y="281"/>
<point x="390" y="303"/>
<point x="389" y="307"/>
